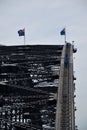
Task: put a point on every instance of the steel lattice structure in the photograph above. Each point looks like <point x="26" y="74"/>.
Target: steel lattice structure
<point x="37" y="87"/>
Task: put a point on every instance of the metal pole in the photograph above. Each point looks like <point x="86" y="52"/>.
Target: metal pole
<point x="24" y="36"/>
<point x="65" y="36"/>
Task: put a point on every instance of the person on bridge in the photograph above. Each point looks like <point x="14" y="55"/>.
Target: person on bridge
<point x="66" y="60"/>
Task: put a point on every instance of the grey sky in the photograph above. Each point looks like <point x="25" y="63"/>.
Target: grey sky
<point x="43" y="20"/>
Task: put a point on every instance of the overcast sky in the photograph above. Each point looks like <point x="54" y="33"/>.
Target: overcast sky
<point x="43" y="20"/>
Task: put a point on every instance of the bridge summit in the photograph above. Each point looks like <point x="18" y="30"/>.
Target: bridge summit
<point x="37" y="87"/>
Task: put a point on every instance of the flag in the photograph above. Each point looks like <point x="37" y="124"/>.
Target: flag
<point x="63" y="32"/>
<point x="21" y="32"/>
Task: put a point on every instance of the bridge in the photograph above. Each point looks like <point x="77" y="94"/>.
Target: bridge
<point x="37" y="87"/>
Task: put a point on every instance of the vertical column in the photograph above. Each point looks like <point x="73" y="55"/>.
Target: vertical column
<point x="65" y="102"/>
<point x="71" y="92"/>
<point x="59" y="93"/>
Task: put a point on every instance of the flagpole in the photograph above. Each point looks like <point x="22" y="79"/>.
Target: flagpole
<point x="24" y="36"/>
<point x="24" y="40"/>
<point x="65" y="38"/>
